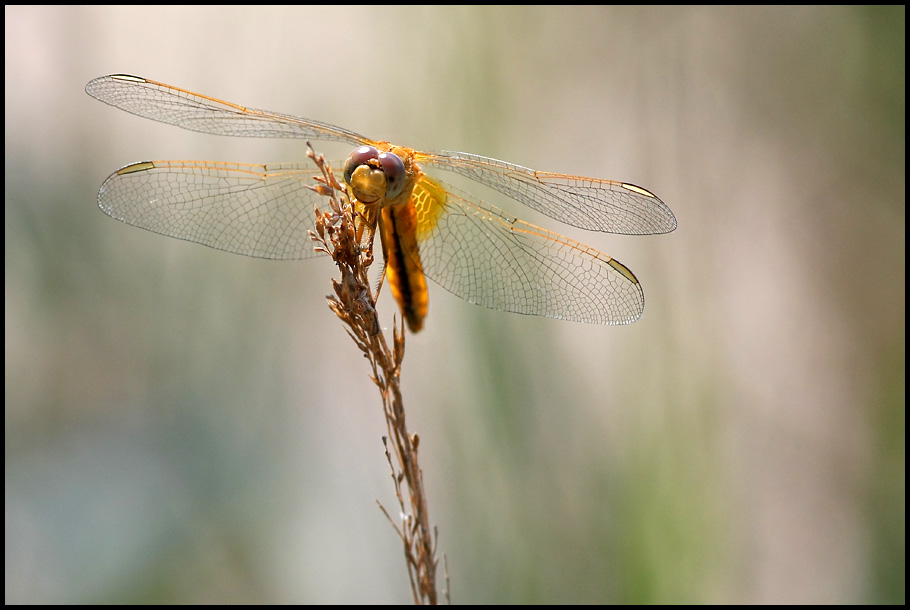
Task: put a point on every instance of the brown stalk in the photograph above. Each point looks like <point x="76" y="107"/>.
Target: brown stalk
<point x="338" y="233"/>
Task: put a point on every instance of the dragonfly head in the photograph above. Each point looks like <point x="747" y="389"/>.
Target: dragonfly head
<point x="374" y="176"/>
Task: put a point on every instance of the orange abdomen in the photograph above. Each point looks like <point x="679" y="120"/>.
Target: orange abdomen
<point x="403" y="268"/>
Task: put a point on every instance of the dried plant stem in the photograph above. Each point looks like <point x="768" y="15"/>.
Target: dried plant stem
<point x="339" y="233"/>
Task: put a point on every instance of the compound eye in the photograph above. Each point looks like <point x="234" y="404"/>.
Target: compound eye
<point x="395" y="174"/>
<point x="359" y="157"/>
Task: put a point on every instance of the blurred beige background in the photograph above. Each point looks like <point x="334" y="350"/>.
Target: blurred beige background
<point x="186" y="425"/>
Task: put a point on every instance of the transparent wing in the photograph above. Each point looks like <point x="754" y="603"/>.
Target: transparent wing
<point x="167" y="104"/>
<point x="479" y="253"/>
<point x="256" y="210"/>
<point x="587" y="203"/>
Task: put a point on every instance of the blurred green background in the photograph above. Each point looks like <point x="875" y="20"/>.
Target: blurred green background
<point x="186" y="425"/>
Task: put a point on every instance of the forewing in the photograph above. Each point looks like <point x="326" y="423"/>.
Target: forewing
<point x="587" y="203"/>
<point x="167" y="104"/>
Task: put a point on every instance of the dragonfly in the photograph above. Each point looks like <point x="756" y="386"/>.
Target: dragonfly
<point x="427" y="228"/>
